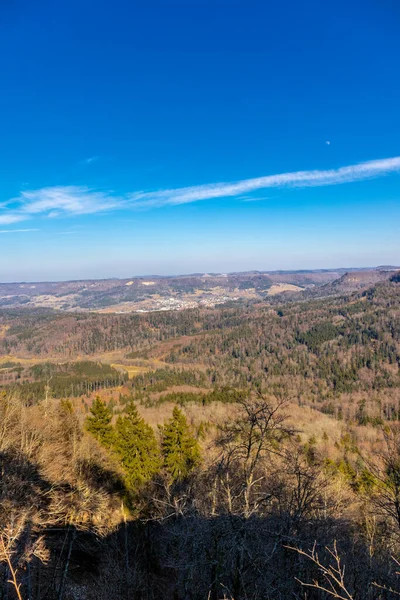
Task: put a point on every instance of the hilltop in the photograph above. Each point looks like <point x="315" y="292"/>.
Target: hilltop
<point x="155" y="293"/>
<point x="357" y="280"/>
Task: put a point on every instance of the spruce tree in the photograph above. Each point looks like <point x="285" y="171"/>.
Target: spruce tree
<point x="99" y="423"/>
<point x="137" y="448"/>
<point x="180" y="449"/>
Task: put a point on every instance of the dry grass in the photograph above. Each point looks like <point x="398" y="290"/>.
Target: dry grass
<point x="310" y="422"/>
<point x="215" y="413"/>
<point x="132" y="370"/>
<point x="278" y="288"/>
<point x="21" y="359"/>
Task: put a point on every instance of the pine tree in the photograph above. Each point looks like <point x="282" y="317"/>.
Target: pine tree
<point x="99" y="423"/>
<point x="180" y="449"/>
<point x="137" y="448"/>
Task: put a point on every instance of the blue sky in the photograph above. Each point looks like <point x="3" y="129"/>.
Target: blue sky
<point x="170" y="136"/>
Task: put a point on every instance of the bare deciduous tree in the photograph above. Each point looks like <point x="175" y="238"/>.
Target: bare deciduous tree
<point x="257" y="432"/>
<point x="333" y="573"/>
<point x="17" y="549"/>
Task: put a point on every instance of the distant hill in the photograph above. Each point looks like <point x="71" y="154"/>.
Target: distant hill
<point x="387" y="268"/>
<point x="357" y="280"/>
<point x="178" y="292"/>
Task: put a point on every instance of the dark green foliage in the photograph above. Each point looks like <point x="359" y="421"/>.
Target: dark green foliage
<point x="225" y="395"/>
<point x="396" y="277"/>
<point x="99" y="422"/>
<point x="66" y="380"/>
<point x="137" y="448"/>
<point x="180" y="449"/>
<point x="246" y="285"/>
<point x="317" y="335"/>
<point x="162" y="379"/>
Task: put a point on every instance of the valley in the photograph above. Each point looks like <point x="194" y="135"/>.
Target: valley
<point x="141" y="294"/>
<point x="207" y="435"/>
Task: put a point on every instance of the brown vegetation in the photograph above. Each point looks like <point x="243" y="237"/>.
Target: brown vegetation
<point x="294" y="410"/>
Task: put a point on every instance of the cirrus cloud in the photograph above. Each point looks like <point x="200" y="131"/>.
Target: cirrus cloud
<point x="62" y="201"/>
<point x="57" y="201"/>
<point x="296" y="179"/>
<point x="2" y="231"/>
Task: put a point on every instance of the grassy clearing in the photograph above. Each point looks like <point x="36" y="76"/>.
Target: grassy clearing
<point x="278" y="288"/>
<point x="23" y="361"/>
<point x="132" y="370"/>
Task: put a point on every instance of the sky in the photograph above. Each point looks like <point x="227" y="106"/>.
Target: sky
<point x="178" y="136"/>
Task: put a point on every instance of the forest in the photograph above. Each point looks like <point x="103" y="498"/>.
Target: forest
<point x="243" y="452"/>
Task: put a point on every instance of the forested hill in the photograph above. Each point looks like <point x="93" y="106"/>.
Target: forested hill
<point x="339" y="321"/>
<point x="202" y="454"/>
<point x="144" y="294"/>
<point x="312" y="349"/>
<point x="320" y="349"/>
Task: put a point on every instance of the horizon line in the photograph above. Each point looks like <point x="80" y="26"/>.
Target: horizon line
<point x="209" y="274"/>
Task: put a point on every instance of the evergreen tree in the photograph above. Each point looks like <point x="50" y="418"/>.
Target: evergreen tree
<point x="99" y="423"/>
<point x="180" y="449"/>
<point x="137" y="447"/>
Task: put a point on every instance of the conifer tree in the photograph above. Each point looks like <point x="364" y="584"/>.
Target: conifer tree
<point x="137" y="448"/>
<point x="180" y="449"/>
<point x="99" y="423"/>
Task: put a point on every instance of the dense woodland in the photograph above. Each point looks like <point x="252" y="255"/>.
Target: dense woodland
<point x="316" y="350"/>
<point x="226" y="494"/>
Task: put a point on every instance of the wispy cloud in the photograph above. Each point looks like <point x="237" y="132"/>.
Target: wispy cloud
<point x="297" y="179"/>
<point x="74" y="200"/>
<point x="10" y="218"/>
<point x="17" y="230"/>
<point x="61" y="201"/>
<point x="57" y="201"/>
